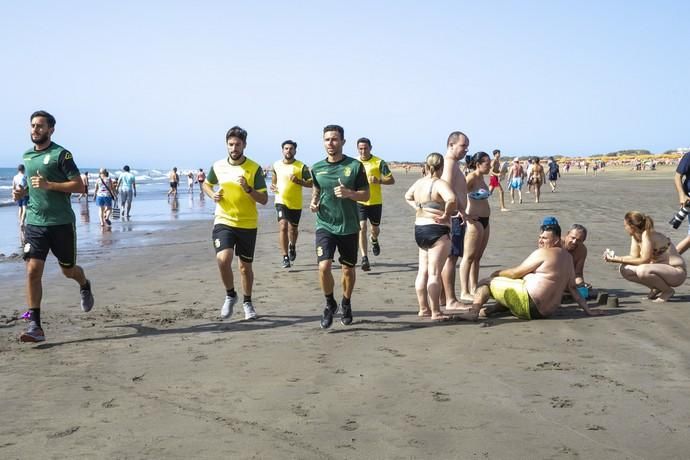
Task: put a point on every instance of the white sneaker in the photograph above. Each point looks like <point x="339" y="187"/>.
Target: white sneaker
<point x="249" y="312"/>
<point x="226" y="309"/>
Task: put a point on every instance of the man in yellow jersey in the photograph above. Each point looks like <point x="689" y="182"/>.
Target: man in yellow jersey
<point x="377" y="173"/>
<point x="287" y="179"/>
<point x="241" y="185"/>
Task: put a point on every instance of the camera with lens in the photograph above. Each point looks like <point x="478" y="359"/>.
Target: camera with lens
<point x="682" y="213"/>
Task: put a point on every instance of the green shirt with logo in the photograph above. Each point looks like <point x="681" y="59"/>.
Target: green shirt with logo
<point x="338" y="216"/>
<point x="47" y="207"/>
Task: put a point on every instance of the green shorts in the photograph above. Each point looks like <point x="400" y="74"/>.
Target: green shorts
<point x="513" y="295"/>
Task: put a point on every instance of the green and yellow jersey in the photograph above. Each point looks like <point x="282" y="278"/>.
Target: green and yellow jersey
<point x="47" y="207"/>
<point x="378" y="168"/>
<point x="237" y="208"/>
<point x="338" y="216"/>
<point x="289" y="193"/>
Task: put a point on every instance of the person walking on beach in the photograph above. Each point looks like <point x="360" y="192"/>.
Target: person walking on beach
<point x="104" y="196"/>
<point x="339" y="183"/>
<point x="537" y="178"/>
<point x="50" y="221"/>
<point x="19" y="184"/>
<point x="241" y="185"/>
<point x="127" y="185"/>
<point x="457" y="145"/>
<point x="554" y="173"/>
<point x="515" y="178"/>
<point x="534" y="289"/>
<point x="174" y="180"/>
<point x="495" y="179"/>
<point x="378" y="173"/>
<point x="288" y="177"/>
<point x="190" y="182"/>
<point x="200" y="178"/>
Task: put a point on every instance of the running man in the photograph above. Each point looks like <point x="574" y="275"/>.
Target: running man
<point x="127" y="185"/>
<point x="19" y="184"/>
<point x="241" y="185"/>
<point x="534" y="289"/>
<point x="50" y="221"/>
<point x="457" y="146"/>
<point x="339" y="183"/>
<point x="378" y="173"/>
<point x="495" y="179"/>
<point x="515" y="177"/>
<point x="288" y="177"/>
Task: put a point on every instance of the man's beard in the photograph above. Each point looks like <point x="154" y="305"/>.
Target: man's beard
<point x="41" y="139"/>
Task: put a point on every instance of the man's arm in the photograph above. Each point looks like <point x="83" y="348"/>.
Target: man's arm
<point x="580" y="266"/>
<point x="529" y="265"/>
<point x="572" y="288"/>
<point x="678" y="180"/>
<point x="73" y="185"/>
<point x="386" y="174"/>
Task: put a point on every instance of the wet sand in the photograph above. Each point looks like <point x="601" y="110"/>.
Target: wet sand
<point x="152" y="373"/>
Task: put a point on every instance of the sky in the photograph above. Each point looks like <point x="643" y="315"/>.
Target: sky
<point x="156" y="84"/>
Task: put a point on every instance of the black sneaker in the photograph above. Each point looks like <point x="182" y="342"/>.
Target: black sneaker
<point x="327" y="317"/>
<point x="346" y="317"/>
<point x="292" y="251"/>
<point x="86" y="297"/>
<point x="286" y="262"/>
<point x="375" y="248"/>
<point x="365" y="264"/>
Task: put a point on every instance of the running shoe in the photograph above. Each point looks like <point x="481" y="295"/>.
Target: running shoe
<point x="86" y="297"/>
<point x="108" y="222"/>
<point x="327" y="317"/>
<point x="32" y="334"/>
<point x="375" y="248"/>
<point x="249" y="312"/>
<point x="228" y="305"/>
<point x="292" y="251"/>
<point x="286" y="262"/>
<point x="346" y="314"/>
<point x="365" y="264"/>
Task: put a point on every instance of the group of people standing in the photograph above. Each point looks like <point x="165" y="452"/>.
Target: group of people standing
<point x="452" y="223"/>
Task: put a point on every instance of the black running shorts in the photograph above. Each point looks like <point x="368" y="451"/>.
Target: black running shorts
<point x="291" y="215"/>
<point x="327" y="242"/>
<point x="240" y="240"/>
<point x="371" y="213"/>
<point x="60" y="239"/>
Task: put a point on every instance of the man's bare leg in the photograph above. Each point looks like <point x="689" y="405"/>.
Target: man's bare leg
<point x="683" y="245"/>
<point x="326" y="277"/>
<point x="348" y="279"/>
<point x="502" y="198"/>
<point x="363" y="238"/>
<point x="448" y="278"/>
<point x="224" y="260"/>
<point x="283" y="236"/>
<point x="34" y="285"/>
<point x="247" y="277"/>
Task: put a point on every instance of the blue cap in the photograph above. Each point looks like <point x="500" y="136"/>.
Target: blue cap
<point x="549" y="220"/>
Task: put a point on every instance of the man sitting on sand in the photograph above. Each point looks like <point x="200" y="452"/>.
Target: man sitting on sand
<point x="574" y="243"/>
<point x="533" y="289"/>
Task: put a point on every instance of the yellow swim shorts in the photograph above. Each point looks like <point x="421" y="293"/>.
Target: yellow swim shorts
<point x="513" y="295"/>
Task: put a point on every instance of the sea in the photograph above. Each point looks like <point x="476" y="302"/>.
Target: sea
<point x="152" y="212"/>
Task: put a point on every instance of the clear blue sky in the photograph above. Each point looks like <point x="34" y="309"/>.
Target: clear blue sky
<point x="157" y="84"/>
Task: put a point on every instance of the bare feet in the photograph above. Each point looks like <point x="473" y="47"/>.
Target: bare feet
<point x="653" y="293"/>
<point x="505" y="209"/>
<point x="664" y="296"/>
<point x="458" y="308"/>
<point x="424" y="313"/>
<point x="467" y="298"/>
<point x="455" y="305"/>
<point x="439" y="317"/>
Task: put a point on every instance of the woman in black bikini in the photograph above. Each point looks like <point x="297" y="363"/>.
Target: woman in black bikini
<point x="478" y="230"/>
<point x="653" y="260"/>
<point x="434" y="203"/>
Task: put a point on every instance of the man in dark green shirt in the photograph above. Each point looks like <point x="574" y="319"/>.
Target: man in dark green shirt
<point x="53" y="177"/>
<point x="339" y="183"/>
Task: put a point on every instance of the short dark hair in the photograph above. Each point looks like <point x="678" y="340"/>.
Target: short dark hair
<point x="237" y="132"/>
<point x="42" y="113"/>
<point x="554" y="228"/>
<point x="364" y="140"/>
<point x="289" y="142"/>
<point x="580" y="228"/>
<point x="472" y="160"/>
<point x="125" y="168"/>
<point x="453" y="137"/>
<point x="496" y="152"/>
<point x="20" y="168"/>
<point x="338" y="128"/>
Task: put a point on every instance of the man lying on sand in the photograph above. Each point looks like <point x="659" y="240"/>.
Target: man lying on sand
<point x="533" y="289"/>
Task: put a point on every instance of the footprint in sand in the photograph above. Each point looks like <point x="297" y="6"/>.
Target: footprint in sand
<point x="62" y="434"/>
<point x="350" y="425"/>
<point x="558" y="403"/>
<point x="440" y="397"/>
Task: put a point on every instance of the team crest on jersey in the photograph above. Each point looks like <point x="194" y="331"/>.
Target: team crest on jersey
<point x="347" y="171"/>
<point x="46" y="160"/>
<point x="68" y="156"/>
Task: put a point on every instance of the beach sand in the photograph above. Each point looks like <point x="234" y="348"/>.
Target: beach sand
<point x="152" y="372"/>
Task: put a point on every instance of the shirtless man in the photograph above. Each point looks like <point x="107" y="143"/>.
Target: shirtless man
<point x="457" y="146"/>
<point x="495" y="179"/>
<point x="574" y="243"/>
<point x="174" y="179"/>
<point x="515" y="177"/>
<point x="533" y="289"/>
<point x="537" y="178"/>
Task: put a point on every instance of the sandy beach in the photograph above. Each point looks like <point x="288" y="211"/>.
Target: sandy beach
<point x="153" y="373"/>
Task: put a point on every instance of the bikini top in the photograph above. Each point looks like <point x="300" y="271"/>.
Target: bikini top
<point x="479" y="194"/>
<point x="430" y="204"/>
<point x="659" y="251"/>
